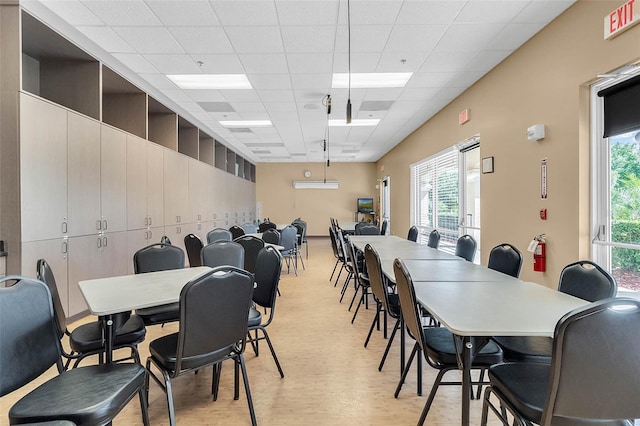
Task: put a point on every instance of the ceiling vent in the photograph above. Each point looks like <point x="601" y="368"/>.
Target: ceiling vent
<point x="216" y="106"/>
<point x="239" y="130"/>
<point x="375" y="105"/>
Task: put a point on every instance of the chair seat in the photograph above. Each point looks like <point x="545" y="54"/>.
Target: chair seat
<point x="52" y="423"/>
<point x="394" y="306"/>
<point x="163" y="351"/>
<point x="88" y="337"/>
<point x="159" y="314"/>
<point x="526" y="348"/>
<point x="440" y="345"/>
<point x="255" y="317"/>
<point x="86" y="396"/>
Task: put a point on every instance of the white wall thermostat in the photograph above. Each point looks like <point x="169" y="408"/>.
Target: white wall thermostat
<point x="307" y="173"/>
<point x="535" y="132"/>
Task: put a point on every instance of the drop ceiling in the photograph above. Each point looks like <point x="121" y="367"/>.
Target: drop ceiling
<point x="289" y="50"/>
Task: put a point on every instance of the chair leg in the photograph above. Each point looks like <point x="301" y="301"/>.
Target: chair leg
<point x="419" y="374"/>
<point x="376" y="320"/>
<point x="355" y="294"/>
<point x="432" y="395"/>
<point x="215" y="380"/>
<point x="345" y="285"/>
<point x="167" y="387"/>
<point x="334" y="270"/>
<point x="386" y="350"/>
<point x="273" y="352"/>
<point x="144" y="405"/>
<point x="254" y="422"/>
<point x="407" y="366"/>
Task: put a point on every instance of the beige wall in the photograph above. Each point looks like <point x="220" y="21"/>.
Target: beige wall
<point x="544" y="82"/>
<point x="281" y="203"/>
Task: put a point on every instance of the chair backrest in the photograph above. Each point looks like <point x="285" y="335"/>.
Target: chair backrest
<point x="505" y="258"/>
<point x="376" y="280"/>
<point x="223" y="253"/>
<point x="158" y="257"/>
<point x="368" y="229"/>
<point x="352" y="257"/>
<point x="383" y="229"/>
<point x="412" y="235"/>
<point x="271" y="236"/>
<point x="288" y="237"/>
<point x="594" y="366"/>
<point x="266" y="225"/>
<point x="193" y="244"/>
<point x="252" y="246"/>
<point x="334" y="243"/>
<point x="249" y="228"/>
<point x="303" y="228"/>
<point x="236" y="232"/>
<point x="409" y="303"/>
<point x="300" y="231"/>
<point x="219" y="234"/>
<point x="342" y="247"/>
<point x="45" y="274"/>
<point x="165" y="240"/>
<point x="434" y="239"/>
<point x="267" y="277"/>
<point x="29" y="343"/>
<point x="466" y="247"/>
<point x="213" y="316"/>
<point x="588" y="281"/>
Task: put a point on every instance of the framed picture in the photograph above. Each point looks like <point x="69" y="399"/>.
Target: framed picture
<point x="487" y="165"/>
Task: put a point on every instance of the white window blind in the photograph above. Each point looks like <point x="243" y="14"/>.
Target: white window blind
<point x="435" y="193"/>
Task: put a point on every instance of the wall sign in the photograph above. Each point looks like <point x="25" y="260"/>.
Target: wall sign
<point x="487" y="165"/>
<point x="543" y="178"/>
<point x="621" y="19"/>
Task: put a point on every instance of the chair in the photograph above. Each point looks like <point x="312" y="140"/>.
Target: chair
<point x="218" y="234"/>
<point x="267" y="278"/>
<point x="252" y="246"/>
<point x="360" y="277"/>
<point x="236" y="232"/>
<point x="250" y="228"/>
<point x="86" y="340"/>
<point x="336" y="253"/>
<point x="288" y="237"/>
<point x="266" y="225"/>
<point x="368" y="229"/>
<point x="214" y="306"/>
<point x="344" y="258"/>
<point x="165" y="240"/>
<point x="439" y="346"/>
<point x="591" y="380"/>
<point x="30" y="345"/>
<point x="223" y="253"/>
<point x="466" y="247"/>
<point x="303" y="235"/>
<point x="386" y="303"/>
<point x="505" y="258"/>
<point x="383" y="228"/>
<point x="153" y="258"/>
<point x="583" y="279"/>
<point x="193" y="244"/>
<point x="413" y="234"/>
<point x="271" y="236"/>
<point x="434" y="239"/>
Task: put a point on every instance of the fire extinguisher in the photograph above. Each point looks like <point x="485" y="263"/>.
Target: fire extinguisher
<point x="540" y="254"/>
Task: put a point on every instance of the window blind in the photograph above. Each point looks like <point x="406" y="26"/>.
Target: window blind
<point x="621" y="107"/>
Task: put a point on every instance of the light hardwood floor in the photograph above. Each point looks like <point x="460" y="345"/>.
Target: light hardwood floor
<point x="330" y="378"/>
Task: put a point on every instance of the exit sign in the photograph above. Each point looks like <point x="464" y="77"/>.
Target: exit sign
<point x="621" y="19"/>
<point x="463" y="116"/>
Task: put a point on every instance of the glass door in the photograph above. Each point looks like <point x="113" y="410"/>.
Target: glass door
<point x="385" y="197"/>
<point x="470" y="192"/>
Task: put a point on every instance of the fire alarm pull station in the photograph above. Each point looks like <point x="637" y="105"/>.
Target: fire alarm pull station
<point x="543" y="214"/>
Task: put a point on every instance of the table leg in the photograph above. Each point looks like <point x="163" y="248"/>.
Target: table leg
<point x="108" y="337"/>
<point x="467" y="357"/>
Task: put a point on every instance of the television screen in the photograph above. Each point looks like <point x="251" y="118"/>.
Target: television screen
<point x="365" y="205"/>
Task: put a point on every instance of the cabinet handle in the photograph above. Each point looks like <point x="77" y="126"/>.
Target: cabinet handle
<point x="105" y="241"/>
<point x="199" y="217"/>
<point x="65" y="247"/>
<point x="179" y="229"/>
<point x="150" y="221"/>
<point x="64" y="227"/>
<point x="150" y="235"/>
<point x="98" y="225"/>
<point x="177" y="219"/>
<point x="99" y="242"/>
<point x="104" y="224"/>
<point x="146" y="221"/>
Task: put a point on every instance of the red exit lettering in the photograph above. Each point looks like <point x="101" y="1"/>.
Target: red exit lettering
<point x="621" y="17"/>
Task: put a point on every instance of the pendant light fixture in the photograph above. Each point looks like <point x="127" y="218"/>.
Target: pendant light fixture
<point x="349" y="61"/>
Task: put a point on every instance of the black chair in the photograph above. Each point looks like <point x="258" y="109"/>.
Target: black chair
<point x="383" y="228"/>
<point x="583" y="279"/>
<point x="505" y="258"/>
<point x="301" y="230"/>
<point x="288" y="237"/>
<point x="386" y="303"/>
<point x="267" y="278"/>
<point x="412" y="235"/>
<point x="218" y="234"/>
<point x="213" y="328"/>
<point x="86" y="340"/>
<point x="368" y="229"/>
<point x="193" y="245"/>
<point x="266" y="225"/>
<point x="434" y="239"/>
<point x="336" y="253"/>
<point x="165" y="240"/>
<point x="441" y="349"/>
<point x="252" y="246"/>
<point x="591" y="380"/>
<point x="236" y="232"/>
<point x="346" y="266"/>
<point x="223" y="253"/>
<point x="466" y="247"/>
<point x="153" y="258"/>
<point x="360" y="277"/>
<point x="271" y="236"/>
<point x="30" y="345"/>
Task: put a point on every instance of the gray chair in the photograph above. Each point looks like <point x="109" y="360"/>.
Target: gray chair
<point x="434" y="239"/>
<point x="360" y="277"/>
<point x="193" y="245"/>
<point x="30" y="345"/>
<point x="271" y="236"/>
<point x="87" y="339"/>
<point x="412" y="235"/>
<point x="466" y="247"/>
<point x="223" y="253"/>
<point x="288" y="240"/>
<point x="368" y="229"/>
<point x="219" y="234"/>
<point x="214" y="306"/>
<point x="249" y="228"/>
<point x="583" y="279"/>
<point x="267" y="278"/>
<point x="302" y="231"/>
<point x="592" y="378"/>
<point x="236" y="232"/>
<point x="252" y="246"/>
<point x="384" y="227"/>
<point x="441" y="349"/>
<point x="505" y="258"/>
<point x="154" y="258"/>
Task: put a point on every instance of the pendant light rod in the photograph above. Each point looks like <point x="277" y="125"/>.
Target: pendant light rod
<point x="349" y="60"/>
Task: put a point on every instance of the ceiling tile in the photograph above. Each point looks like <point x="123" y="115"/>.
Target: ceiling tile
<point x="447" y="61"/>
<point x="310" y="63"/>
<point x="149" y="39"/>
<point x="73" y="12"/>
<point x="429" y="79"/>
<point x="308" y="39"/>
<point x="429" y="12"/>
<point x="364" y="38"/>
<point x="274" y="63"/>
<point x="490" y="11"/>
<point x="202" y="39"/>
<point x="123" y="13"/>
<point x="218" y="64"/>
<point x="541" y="12"/>
<point x="242" y="13"/>
<point x="159" y="80"/>
<point x="250" y="107"/>
<point x="205" y="95"/>
<point x="270" y="81"/>
<point x="473" y="37"/>
<point x="255" y="39"/>
<point x="136" y="63"/>
<point x="401" y="61"/>
<point x="486" y="60"/>
<point x="240" y="95"/>
<point x="418" y="38"/>
<point x="360" y="62"/>
<point x="311" y="81"/>
<point x="184" y="13"/>
<point x="307" y="12"/>
<point x="106" y="38"/>
<point x="276" y="95"/>
<point x="174" y="64"/>
<point x="374" y="12"/>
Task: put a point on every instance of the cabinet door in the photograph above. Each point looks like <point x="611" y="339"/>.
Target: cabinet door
<point x="136" y="183"/>
<point x="155" y="184"/>
<point x="84" y="264"/>
<point x="197" y="177"/>
<point x="209" y="196"/>
<point x="138" y="239"/>
<point x="220" y="192"/>
<point x="83" y="170"/>
<point x="113" y="181"/>
<point x="113" y="254"/>
<point x="176" y="188"/>
<point x="43" y="169"/>
<point x="55" y="253"/>
<point x="176" y="234"/>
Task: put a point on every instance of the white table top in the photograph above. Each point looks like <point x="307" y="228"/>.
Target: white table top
<point x="445" y="270"/>
<point x="496" y="308"/>
<point x="111" y="295"/>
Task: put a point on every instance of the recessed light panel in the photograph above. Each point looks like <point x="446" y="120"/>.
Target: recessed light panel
<point x="211" y="81"/>
<point x="370" y="80"/>
<point x="354" y="122"/>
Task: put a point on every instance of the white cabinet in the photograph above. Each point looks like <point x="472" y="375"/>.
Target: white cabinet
<point x="155" y="185"/>
<point x="145" y="186"/>
<point x="55" y="253"/>
<point x="113" y="180"/>
<point x="176" y="188"/>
